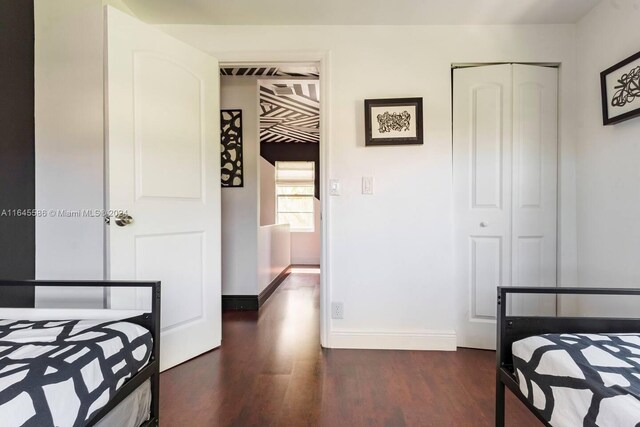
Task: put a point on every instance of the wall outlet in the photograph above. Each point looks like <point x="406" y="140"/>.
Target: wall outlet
<point x="337" y="310"/>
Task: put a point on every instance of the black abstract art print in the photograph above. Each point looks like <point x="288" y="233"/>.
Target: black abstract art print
<point x="393" y="121"/>
<point x="620" y="86"/>
<point x="231" y="148"/>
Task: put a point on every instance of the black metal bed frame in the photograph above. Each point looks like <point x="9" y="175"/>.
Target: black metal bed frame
<point x="514" y="328"/>
<point x="149" y="321"/>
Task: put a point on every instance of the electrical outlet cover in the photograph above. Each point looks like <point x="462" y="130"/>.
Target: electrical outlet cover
<point x="337" y="310"/>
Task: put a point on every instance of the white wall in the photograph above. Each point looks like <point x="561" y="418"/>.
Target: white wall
<point x="240" y="216"/>
<point x="608" y="159"/>
<point x="305" y="247"/>
<point x="69" y="147"/>
<point x="267" y="192"/>
<point x="274" y="253"/>
<point x="390" y="254"/>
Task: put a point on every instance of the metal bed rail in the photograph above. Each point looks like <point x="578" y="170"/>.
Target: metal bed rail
<point x="514" y="328"/>
<point x="150" y="321"/>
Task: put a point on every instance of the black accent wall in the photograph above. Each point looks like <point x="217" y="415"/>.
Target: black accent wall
<point x="17" y="168"/>
<point x="291" y="152"/>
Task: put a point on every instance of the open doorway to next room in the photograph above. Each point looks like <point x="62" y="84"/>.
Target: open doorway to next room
<point x="270" y="121"/>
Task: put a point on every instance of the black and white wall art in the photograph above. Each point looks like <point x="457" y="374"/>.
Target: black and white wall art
<point x="620" y="85"/>
<point x="393" y="121"/>
<point x="289" y="111"/>
<point x="231" y="162"/>
<point x="282" y="71"/>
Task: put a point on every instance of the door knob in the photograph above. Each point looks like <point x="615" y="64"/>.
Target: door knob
<point x="484" y="224"/>
<point x="122" y="219"/>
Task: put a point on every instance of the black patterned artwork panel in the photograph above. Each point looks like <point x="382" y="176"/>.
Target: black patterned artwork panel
<point x="231" y="162"/>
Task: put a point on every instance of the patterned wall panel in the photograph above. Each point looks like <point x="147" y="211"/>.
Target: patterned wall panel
<point x="290" y="111"/>
<point x="231" y="163"/>
<point x="271" y="71"/>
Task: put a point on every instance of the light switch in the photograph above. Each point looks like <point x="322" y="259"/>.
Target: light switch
<point x="367" y="185"/>
<point x="334" y="187"/>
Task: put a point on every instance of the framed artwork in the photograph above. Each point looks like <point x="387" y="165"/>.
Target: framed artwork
<point x="393" y="121"/>
<point x="231" y="163"/>
<point x="620" y="87"/>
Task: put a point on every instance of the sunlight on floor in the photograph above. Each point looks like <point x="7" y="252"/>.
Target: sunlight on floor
<point x="306" y="270"/>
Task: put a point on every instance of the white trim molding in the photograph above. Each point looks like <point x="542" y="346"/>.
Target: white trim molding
<point x="394" y="340"/>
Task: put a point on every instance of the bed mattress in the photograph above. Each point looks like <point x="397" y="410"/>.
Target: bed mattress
<point x="581" y="379"/>
<point x="59" y="373"/>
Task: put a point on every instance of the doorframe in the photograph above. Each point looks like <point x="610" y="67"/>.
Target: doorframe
<point x="323" y="58"/>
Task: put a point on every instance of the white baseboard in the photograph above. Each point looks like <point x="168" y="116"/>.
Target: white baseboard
<point x="419" y="340"/>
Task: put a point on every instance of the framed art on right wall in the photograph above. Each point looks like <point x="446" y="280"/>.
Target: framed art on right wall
<point x="620" y="86"/>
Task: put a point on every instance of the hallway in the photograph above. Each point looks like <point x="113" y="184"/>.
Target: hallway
<point x="271" y="371"/>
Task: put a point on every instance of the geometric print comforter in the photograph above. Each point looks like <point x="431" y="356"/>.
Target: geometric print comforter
<point x="59" y="373"/>
<point x="581" y="379"/>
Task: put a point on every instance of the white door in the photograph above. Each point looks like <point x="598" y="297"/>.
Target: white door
<point x="505" y="189"/>
<point x="164" y="169"/>
<point x="535" y="187"/>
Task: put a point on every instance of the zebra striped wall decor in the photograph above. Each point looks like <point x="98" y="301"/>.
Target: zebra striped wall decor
<point x="271" y="71"/>
<point x="289" y="111"/>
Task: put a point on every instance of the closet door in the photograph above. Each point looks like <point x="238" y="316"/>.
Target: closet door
<point x="482" y="108"/>
<point x="535" y="197"/>
<point x="505" y="179"/>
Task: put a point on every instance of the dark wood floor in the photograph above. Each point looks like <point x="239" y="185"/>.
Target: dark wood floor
<point x="271" y="371"/>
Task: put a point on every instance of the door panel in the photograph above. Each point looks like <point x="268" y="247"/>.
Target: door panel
<point x="168" y="123"/>
<point x="164" y="170"/>
<point x="530" y="268"/>
<point x="486" y="271"/>
<point x="529" y="134"/>
<point x="486" y="115"/>
<point x="504" y="181"/>
<point x="182" y="298"/>
<point x="481" y="155"/>
<point x="535" y="148"/>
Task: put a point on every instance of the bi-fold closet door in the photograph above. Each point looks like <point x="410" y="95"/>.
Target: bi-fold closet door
<point x="505" y="144"/>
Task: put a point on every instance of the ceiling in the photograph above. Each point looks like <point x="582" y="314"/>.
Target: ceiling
<point x="290" y="111"/>
<point x="360" y="12"/>
<point x="272" y="71"/>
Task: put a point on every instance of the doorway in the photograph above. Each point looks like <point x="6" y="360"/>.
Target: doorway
<point x="284" y="147"/>
<point x="505" y="145"/>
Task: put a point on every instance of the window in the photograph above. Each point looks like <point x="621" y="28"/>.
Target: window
<point x="294" y="195"/>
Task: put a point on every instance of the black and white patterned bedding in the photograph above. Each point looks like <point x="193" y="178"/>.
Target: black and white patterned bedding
<point x="59" y="373"/>
<point x="581" y="379"/>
